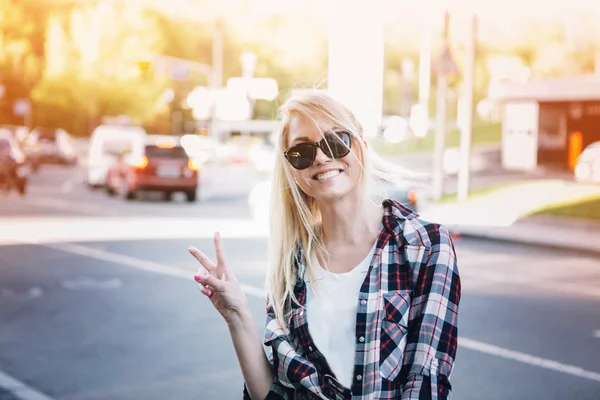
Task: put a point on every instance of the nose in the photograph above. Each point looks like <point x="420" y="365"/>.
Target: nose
<point x="321" y="158"/>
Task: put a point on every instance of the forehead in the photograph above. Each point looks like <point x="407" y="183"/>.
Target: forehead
<point x="304" y="128"/>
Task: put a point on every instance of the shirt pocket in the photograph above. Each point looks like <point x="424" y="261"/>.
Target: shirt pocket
<point x="394" y="328"/>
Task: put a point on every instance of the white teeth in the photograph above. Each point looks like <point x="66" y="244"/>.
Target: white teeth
<point x="329" y="174"/>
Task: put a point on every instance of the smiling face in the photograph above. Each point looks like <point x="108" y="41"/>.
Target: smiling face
<point x="327" y="179"/>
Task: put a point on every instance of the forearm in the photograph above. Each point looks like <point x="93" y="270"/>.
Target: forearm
<point x="258" y="376"/>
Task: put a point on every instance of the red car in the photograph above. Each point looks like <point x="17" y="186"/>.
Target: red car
<point x="153" y="163"/>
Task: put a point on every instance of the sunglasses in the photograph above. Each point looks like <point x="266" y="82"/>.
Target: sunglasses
<point x="333" y="145"/>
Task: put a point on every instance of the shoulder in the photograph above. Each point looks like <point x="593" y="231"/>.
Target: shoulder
<point x="412" y="230"/>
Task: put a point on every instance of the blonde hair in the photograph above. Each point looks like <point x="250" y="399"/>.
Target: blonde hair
<point x="295" y="220"/>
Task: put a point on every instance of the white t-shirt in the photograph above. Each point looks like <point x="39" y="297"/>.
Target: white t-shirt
<point x="331" y="315"/>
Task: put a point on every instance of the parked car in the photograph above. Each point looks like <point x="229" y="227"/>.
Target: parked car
<point x="50" y="146"/>
<point x="153" y="163"/>
<point x="20" y="133"/>
<point x="106" y="143"/>
<point x="14" y="171"/>
<point x="587" y="168"/>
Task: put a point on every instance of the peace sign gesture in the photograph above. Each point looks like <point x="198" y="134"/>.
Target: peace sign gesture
<point x="218" y="283"/>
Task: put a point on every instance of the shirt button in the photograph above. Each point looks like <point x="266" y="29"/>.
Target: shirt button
<point x="361" y="339"/>
<point x="359" y="377"/>
<point x="363" y="302"/>
<point x="435" y="362"/>
<point x="310" y="348"/>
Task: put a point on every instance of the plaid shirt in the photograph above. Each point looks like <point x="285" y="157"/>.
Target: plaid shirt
<point x="406" y="322"/>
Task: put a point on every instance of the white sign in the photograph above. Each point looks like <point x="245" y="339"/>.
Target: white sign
<point x="520" y="136"/>
<point x="256" y="88"/>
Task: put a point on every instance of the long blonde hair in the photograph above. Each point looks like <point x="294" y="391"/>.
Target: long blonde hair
<point x="295" y="219"/>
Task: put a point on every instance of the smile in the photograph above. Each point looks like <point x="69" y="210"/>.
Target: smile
<point x="327" y="175"/>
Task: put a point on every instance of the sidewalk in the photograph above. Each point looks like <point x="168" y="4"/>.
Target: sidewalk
<point x="504" y="216"/>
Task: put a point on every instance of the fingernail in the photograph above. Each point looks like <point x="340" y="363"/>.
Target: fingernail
<point x="198" y="277"/>
<point x="192" y="248"/>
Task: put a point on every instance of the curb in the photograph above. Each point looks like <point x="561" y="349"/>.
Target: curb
<point x="580" y="250"/>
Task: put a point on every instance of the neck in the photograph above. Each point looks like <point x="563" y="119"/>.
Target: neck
<point x="350" y="221"/>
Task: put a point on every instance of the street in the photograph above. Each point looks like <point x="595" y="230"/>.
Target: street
<point x="97" y="300"/>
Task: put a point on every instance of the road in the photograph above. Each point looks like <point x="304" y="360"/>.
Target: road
<point x="97" y="301"/>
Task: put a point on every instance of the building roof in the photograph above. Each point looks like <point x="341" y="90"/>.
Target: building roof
<point x="579" y="88"/>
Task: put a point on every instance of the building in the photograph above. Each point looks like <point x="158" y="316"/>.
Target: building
<point x="548" y="122"/>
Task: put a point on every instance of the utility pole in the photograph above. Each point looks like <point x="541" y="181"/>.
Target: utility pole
<point x="466" y="129"/>
<point x="217" y="55"/>
<point x="425" y="67"/>
<point x="444" y="67"/>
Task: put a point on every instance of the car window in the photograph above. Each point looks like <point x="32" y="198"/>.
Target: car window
<point x="46" y="134"/>
<point x="176" y="152"/>
<point x="115" y="146"/>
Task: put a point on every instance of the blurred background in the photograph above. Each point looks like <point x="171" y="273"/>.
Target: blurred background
<point x="131" y="129"/>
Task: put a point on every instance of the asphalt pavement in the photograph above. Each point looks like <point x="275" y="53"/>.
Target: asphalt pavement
<point x="97" y="300"/>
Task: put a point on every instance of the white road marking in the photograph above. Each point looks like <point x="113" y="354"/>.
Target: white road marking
<point x="30" y="294"/>
<point x="261" y="293"/>
<point x="597" y="333"/>
<point x="19" y="389"/>
<point x="144" y="265"/>
<point x="528" y="359"/>
<point x="86" y="228"/>
<point x="86" y="283"/>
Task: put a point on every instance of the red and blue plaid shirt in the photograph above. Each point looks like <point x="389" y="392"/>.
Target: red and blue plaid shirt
<point x="406" y="322"/>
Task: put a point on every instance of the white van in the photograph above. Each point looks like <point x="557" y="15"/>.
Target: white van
<point x="107" y="142"/>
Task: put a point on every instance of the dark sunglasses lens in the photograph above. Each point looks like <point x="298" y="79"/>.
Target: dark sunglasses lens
<point x="301" y="156"/>
<point x="336" y="145"/>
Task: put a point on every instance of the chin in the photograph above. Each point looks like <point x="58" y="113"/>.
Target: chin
<point x="332" y="194"/>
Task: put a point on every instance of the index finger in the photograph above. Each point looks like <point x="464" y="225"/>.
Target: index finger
<point x="219" y="250"/>
<point x="202" y="258"/>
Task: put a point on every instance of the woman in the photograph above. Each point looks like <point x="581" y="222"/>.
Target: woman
<point x="362" y="296"/>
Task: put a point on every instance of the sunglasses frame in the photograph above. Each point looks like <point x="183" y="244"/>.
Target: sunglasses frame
<point x="321" y="144"/>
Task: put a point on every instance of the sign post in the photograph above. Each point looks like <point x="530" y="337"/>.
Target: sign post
<point x="444" y="67"/>
<point x="466" y="128"/>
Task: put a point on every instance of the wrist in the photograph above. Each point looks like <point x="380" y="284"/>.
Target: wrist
<point x="238" y="320"/>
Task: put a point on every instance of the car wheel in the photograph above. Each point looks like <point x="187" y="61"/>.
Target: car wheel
<point x="22" y="186"/>
<point x="125" y="192"/>
<point x="191" y="196"/>
<point x="109" y="190"/>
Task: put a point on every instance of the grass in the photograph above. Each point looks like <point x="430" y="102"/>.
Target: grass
<point x="587" y="208"/>
<point x="482" y="134"/>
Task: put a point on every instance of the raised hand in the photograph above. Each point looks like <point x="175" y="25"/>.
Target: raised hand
<point x="218" y="283"/>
